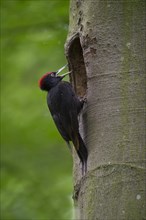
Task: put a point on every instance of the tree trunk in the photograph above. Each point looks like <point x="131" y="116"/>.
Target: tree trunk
<point x="105" y="49"/>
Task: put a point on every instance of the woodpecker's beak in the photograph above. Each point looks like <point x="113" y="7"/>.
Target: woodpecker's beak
<point x="65" y="74"/>
<point x="62" y="68"/>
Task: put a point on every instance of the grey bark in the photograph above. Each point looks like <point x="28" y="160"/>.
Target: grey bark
<point x="106" y="50"/>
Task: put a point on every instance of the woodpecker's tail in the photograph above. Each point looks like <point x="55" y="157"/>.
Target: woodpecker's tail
<point x="82" y="153"/>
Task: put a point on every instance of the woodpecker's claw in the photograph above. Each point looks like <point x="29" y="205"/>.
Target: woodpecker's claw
<point x="83" y="99"/>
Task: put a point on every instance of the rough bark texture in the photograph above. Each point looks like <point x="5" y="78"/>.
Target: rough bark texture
<point x="105" y="49"/>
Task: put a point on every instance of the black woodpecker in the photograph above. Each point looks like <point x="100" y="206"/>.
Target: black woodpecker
<point x="65" y="107"/>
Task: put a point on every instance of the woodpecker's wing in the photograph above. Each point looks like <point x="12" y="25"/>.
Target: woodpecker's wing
<point x="60" y="126"/>
<point x="63" y="105"/>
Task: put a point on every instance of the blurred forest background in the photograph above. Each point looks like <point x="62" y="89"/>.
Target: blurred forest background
<point x="36" y="165"/>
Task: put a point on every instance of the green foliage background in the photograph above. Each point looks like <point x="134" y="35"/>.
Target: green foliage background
<point x="36" y="165"/>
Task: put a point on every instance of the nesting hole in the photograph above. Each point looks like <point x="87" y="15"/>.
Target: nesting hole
<point x="78" y="76"/>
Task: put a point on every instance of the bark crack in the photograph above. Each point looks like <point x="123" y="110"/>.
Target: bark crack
<point x="79" y="184"/>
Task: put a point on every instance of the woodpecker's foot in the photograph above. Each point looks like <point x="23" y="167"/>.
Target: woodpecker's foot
<point x="83" y="101"/>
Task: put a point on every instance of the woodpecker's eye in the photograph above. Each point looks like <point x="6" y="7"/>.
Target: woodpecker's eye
<point x="53" y="74"/>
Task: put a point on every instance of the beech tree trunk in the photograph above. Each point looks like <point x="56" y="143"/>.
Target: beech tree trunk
<point x="106" y="50"/>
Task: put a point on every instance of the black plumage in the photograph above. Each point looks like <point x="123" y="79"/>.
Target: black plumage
<point x="65" y="107"/>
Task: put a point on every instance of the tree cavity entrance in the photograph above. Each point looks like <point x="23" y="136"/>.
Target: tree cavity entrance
<point x="78" y="76"/>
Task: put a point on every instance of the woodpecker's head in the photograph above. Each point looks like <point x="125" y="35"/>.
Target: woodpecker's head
<point x="51" y="79"/>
